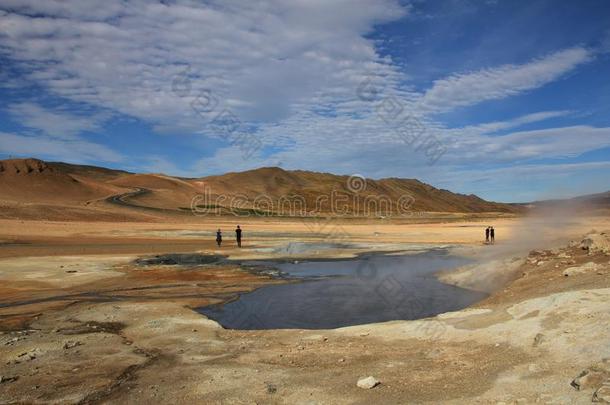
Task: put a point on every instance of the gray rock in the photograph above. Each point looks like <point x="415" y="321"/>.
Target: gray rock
<point x="595" y="243"/>
<point x="368" y="383"/>
<point x="271" y="388"/>
<point x="4" y="379"/>
<point x="602" y="394"/>
<point x="585" y="268"/>
<point x="588" y="379"/>
<point x="70" y="344"/>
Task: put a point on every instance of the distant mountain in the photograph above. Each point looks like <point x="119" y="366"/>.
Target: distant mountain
<point x="34" y="181"/>
<point x="265" y="191"/>
<point x="590" y="201"/>
<point x="356" y="195"/>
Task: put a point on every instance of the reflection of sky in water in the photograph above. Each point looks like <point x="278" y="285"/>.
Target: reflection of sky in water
<point x="370" y="289"/>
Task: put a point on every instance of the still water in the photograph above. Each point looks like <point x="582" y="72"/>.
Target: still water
<point x="336" y="293"/>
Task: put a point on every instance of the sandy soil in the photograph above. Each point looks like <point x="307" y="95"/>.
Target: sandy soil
<point x="81" y="322"/>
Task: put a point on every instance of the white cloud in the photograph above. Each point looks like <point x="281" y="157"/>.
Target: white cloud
<point x="496" y="83"/>
<point x="263" y="60"/>
<point x="289" y="70"/>
<point x="561" y="142"/>
<point x="529" y="182"/>
<point x="492" y="127"/>
<point x="77" y="151"/>
<point x="57" y="124"/>
<point x="159" y="164"/>
<point x="56" y="134"/>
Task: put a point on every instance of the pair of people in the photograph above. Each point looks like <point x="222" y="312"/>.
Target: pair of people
<point x="490" y="235"/>
<point x="237" y="236"/>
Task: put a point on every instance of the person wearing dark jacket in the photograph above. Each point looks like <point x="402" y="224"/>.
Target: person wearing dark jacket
<point x="492" y="235"/>
<point x="487" y="235"/>
<point x="218" y="237"/>
<point x="238" y="236"/>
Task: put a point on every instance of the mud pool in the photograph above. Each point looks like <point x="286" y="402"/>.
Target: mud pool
<point x="336" y="293"/>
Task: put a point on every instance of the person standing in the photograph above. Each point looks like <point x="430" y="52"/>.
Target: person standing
<point x="218" y="237"/>
<point x="487" y="235"/>
<point x="238" y="236"/>
<point x="492" y="235"/>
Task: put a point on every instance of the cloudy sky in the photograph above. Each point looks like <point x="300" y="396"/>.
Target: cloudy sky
<point x="509" y="100"/>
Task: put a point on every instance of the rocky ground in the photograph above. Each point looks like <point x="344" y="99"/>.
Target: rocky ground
<point x="126" y="333"/>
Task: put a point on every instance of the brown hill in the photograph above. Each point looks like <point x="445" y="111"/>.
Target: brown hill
<point x="160" y="191"/>
<point x="269" y="191"/>
<point x="35" y="181"/>
<point x="272" y="189"/>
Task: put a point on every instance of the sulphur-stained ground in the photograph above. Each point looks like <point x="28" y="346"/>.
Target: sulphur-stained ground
<point x="82" y="328"/>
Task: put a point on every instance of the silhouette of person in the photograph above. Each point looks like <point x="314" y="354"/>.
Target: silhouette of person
<point x="238" y="236"/>
<point x="487" y="235"/>
<point x="492" y="235"/>
<point x="218" y="237"/>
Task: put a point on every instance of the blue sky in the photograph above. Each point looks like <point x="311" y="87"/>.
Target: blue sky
<point x="509" y="100"/>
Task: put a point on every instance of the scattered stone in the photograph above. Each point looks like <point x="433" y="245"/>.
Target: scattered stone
<point x="595" y="242"/>
<point x="70" y="344"/>
<point x="71" y="271"/>
<point x="588" y="379"/>
<point x="368" y="383"/>
<point x="538" y="339"/>
<point x="271" y="388"/>
<point x="563" y="255"/>
<point x="14" y="340"/>
<point x="603" y="393"/>
<point x="31" y="355"/>
<point x="540" y="263"/>
<point x="4" y="379"/>
<point x="585" y="268"/>
<point x="341" y="360"/>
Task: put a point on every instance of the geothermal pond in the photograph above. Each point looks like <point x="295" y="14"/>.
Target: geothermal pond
<point x="336" y="293"/>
